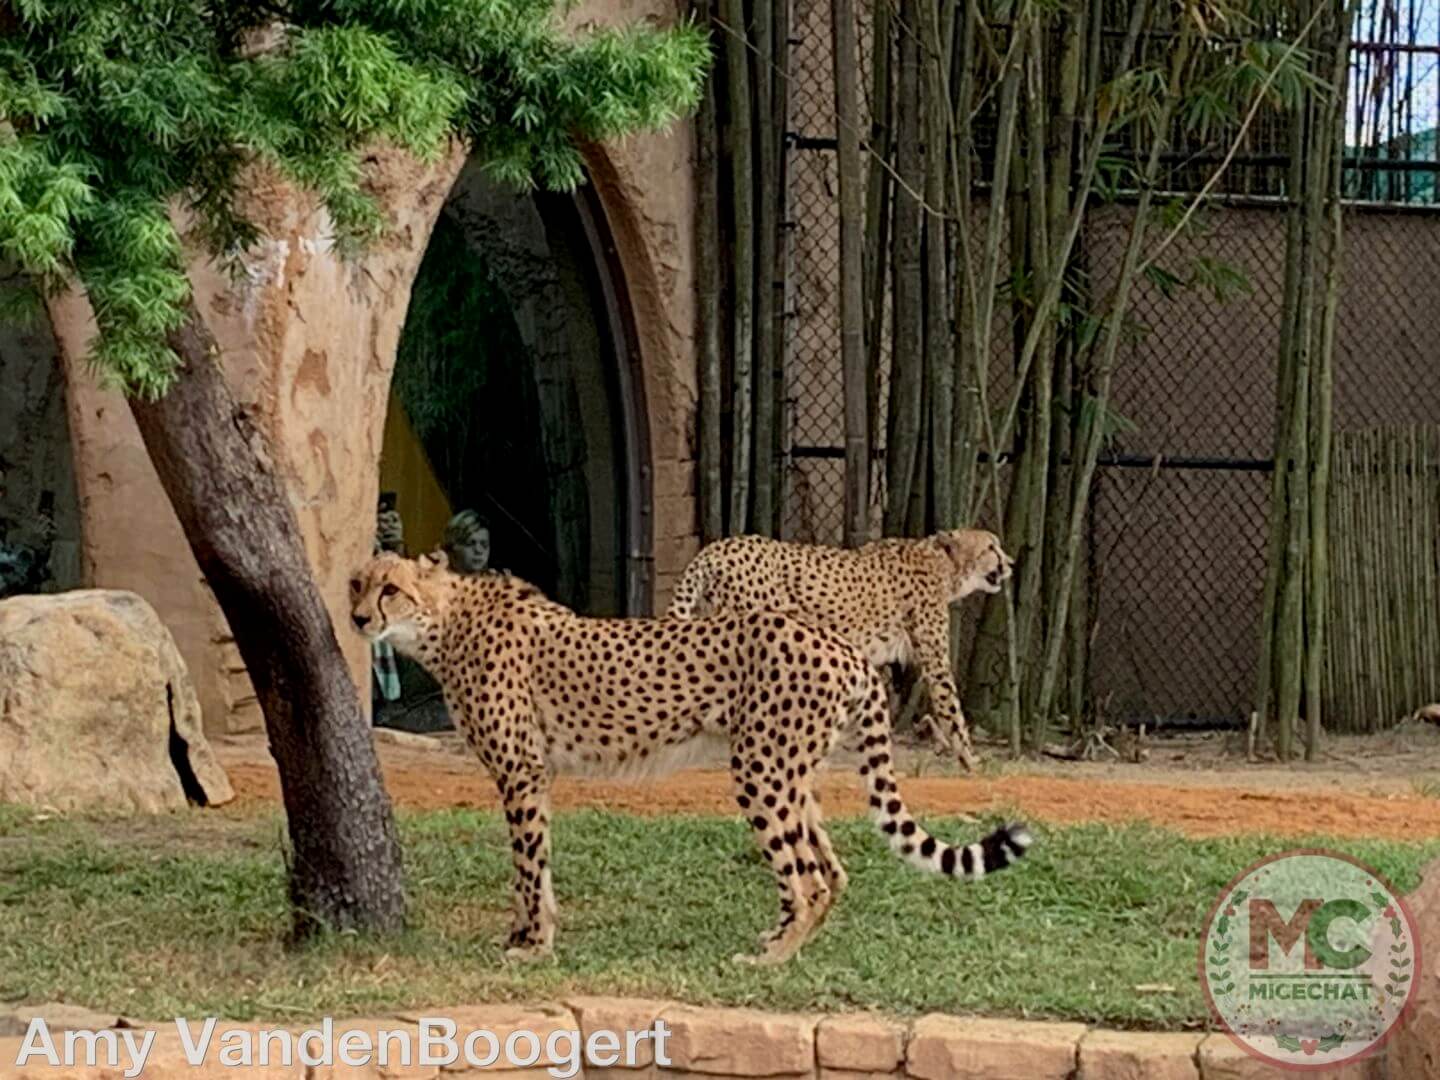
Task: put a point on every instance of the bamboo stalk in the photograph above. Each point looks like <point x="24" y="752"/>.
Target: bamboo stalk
<point x="905" y="414"/>
<point x="780" y="283"/>
<point x="1037" y="442"/>
<point x="1292" y="615"/>
<point x="1050" y="297"/>
<point x="1092" y="431"/>
<point x="915" y="508"/>
<point x="707" y="271"/>
<point x="767" y="228"/>
<point x="938" y="340"/>
<point x="877" y="213"/>
<point x="1318" y="602"/>
<point x="982" y="301"/>
<point x="965" y="420"/>
<point x="743" y="255"/>
<point x="964" y="414"/>
<point x="1284" y="399"/>
<point x="852" y="300"/>
<point x="1065" y="128"/>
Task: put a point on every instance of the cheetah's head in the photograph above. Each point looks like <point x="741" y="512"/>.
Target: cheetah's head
<point x="397" y="599"/>
<point x="981" y="564"/>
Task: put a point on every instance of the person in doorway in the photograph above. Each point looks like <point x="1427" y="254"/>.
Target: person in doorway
<point x="467" y="543"/>
<point x="25" y="549"/>
<point x="389" y="536"/>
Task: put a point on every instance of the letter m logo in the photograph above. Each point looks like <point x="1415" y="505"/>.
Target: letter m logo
<point x="1266" y="923"/>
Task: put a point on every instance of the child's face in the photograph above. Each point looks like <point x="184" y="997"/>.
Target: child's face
<point x="474" y="554"/>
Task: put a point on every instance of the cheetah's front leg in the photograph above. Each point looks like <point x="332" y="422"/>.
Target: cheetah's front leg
<point x="930" y="640"/>
<point x="946" y="720"/>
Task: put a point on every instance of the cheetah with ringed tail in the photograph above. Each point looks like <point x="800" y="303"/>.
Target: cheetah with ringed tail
<point x="538" y="690"/>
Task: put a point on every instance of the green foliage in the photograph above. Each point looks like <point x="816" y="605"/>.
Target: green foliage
<point x="113" y="112"/>
<point x="1239" y="55"/>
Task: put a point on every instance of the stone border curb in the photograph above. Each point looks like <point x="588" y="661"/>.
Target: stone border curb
<point x="713" y="1044"/>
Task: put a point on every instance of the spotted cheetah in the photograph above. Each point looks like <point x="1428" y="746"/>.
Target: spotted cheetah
<point x="539" y="690"/>
<point x="890" y="599"/>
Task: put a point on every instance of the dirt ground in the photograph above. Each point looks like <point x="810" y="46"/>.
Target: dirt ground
<point x="1382" y="786"/>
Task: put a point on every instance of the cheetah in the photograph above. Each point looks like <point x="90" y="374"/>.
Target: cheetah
<point x="890" y="598"/>
<point x="539" y="690"/>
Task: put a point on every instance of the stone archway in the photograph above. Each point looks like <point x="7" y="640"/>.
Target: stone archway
<point x="309" y="346"/>
<point x="515" y="395"/>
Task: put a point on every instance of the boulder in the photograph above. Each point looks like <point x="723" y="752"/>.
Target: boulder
<point x="97" y="710"/>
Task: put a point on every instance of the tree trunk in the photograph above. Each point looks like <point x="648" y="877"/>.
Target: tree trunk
<point x="852" y="299"/>
<point x="215" y="466"/>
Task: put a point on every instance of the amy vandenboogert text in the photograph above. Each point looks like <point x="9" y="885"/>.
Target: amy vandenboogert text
<point x="432" y="1041"/>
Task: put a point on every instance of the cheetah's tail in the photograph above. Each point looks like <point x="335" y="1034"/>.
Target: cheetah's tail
<point x="912" y="843"/>
<point x="690" y="589"/>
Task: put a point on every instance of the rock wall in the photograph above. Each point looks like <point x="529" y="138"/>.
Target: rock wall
<point x="309" y="344"/>
<point x="565" y="1039"/>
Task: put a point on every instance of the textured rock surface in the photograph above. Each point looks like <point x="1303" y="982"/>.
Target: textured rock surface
<point x="947" y="1048"/>
<point x="1135" y="1055"/>
<point x="740" y="1042"/>
<point x="1221" y="1059"/>
<point x="91" y="688"/>
<point x="1414" y="1049"/>
<point x="863" y="1044"/>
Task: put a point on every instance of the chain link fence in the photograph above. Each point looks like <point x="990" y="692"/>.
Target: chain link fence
<point x="1178" y="524"/>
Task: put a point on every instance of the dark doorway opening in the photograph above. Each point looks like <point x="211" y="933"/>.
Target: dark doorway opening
<point x="514" y="437"/>
<point x="39" y="506"/>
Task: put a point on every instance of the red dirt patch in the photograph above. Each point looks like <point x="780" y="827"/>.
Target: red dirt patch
<point x="1224" y="801"/>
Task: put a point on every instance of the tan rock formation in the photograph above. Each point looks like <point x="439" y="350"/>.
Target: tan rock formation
<point x="97" y="710"/>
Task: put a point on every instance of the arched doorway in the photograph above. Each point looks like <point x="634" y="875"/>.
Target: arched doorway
<point x="39" y="504"/>
<point x="515" y="414"/>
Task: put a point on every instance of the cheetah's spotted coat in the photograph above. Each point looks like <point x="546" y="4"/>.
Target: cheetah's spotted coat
<point x="890" y="599"/>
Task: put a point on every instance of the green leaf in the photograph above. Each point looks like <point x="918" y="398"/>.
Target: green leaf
<point x="145" y="104"/>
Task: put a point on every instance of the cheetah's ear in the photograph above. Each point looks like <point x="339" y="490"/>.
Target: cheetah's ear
<point x="435" y="561"/>
<point x="964" y="546"/>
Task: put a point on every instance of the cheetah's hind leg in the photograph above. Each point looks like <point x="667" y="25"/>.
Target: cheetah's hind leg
<point x="778" y="819"/>
<point x="832" y="875"/>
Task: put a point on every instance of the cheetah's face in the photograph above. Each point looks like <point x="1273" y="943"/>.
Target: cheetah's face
<point x="981" y="564"/>
<point x="393" y="599"/>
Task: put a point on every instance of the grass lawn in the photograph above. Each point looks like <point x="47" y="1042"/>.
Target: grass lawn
<point x="184" y="916"/>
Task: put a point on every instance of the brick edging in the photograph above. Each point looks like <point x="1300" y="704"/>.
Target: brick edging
<point x="734" y="1044"/>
